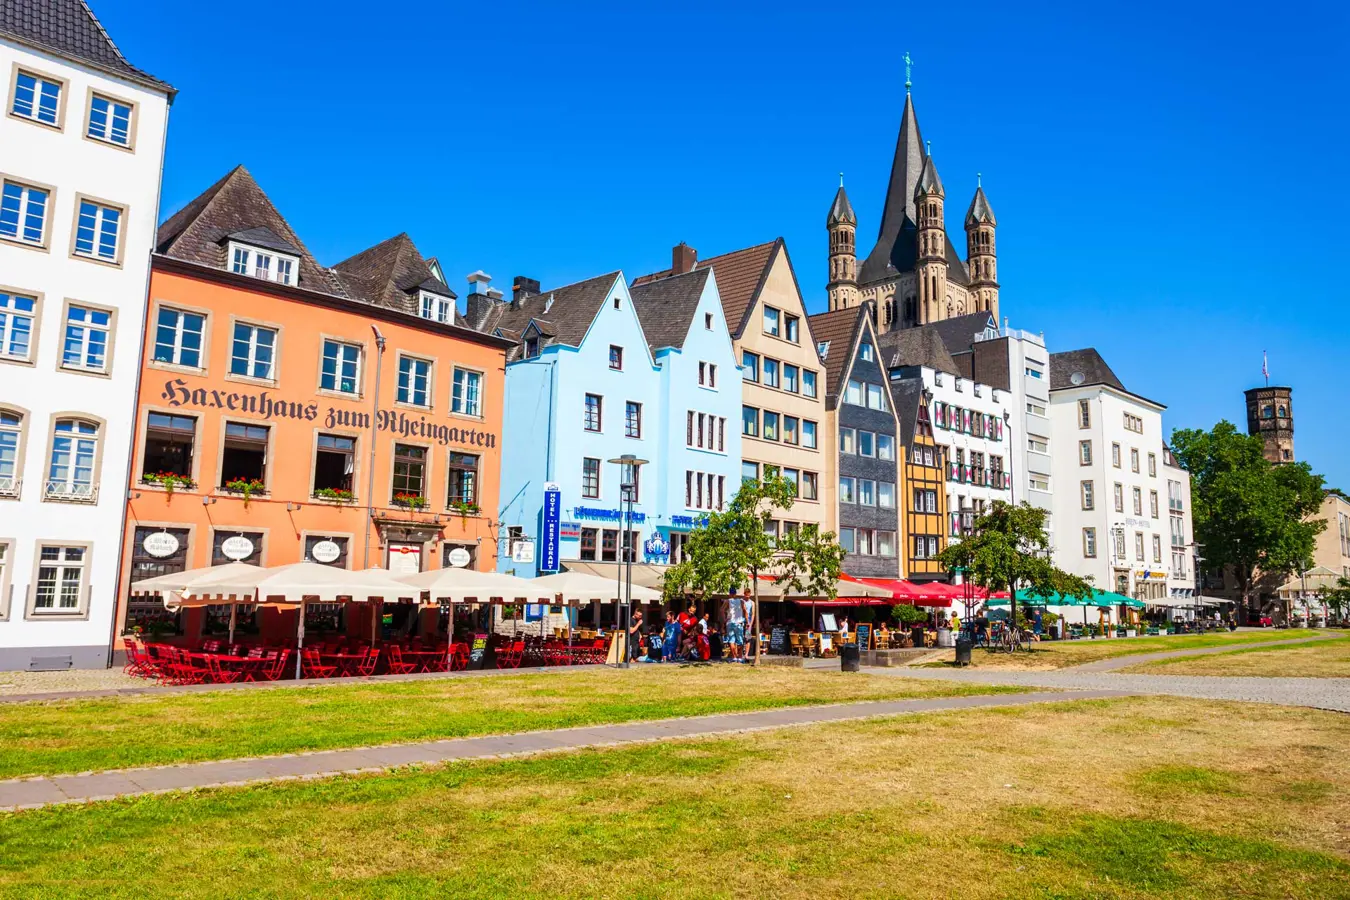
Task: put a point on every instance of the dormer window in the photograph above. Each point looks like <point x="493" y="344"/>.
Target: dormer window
<point x="435" y="307"/>
<point x="823" y="349"/>
<point x="268" y="265"/>
<point x="531" y="347"/>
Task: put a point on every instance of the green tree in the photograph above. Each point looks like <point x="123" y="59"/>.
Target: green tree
<point x="1249" y="515"/>
<point x="1337" y="598"/>
<point x="732" y="549"/>
<point x="1009" y="549"/>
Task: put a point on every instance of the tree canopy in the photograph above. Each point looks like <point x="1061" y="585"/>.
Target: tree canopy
<point x="1248" y="513"/>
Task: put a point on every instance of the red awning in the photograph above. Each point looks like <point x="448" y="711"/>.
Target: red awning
<point x="928" y="594"/>
<point x="856" y="601"/>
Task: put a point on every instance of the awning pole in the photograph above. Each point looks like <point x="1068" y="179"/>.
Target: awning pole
<point x="299" y="639"/>
<point x="234" y="613"/>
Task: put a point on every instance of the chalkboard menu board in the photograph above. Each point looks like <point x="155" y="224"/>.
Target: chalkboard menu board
<point x="477" y="650"/>
<point x="778" y="639"/>
<point x="864" y="636"/>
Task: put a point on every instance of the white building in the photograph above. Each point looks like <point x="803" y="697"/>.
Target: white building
<point x="1030" y="444"/>
<point x="82" y="140"/>
<point x="1111" y="502"/>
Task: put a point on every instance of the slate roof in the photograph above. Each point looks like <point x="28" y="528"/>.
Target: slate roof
<point x="69" y="28"/>
<point x="958" y="332"/>
<point x="922" y="346"/>
<point x="666" y="307"/>
<point x="929" y="182"/>
<point x="905" y="396"/>
<point x="840" y="328"/>
<point x="841" y="210"/>
<point x="740" y="275"/>
<point x="980" y="210"/>
<point x="563" y="315"/>
<point x="1087" y="362"/>
<point x="390" y="274"/>
<point x="264" y="237"/>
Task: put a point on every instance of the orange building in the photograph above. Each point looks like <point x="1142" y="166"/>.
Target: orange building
<point x="291" y="412"/>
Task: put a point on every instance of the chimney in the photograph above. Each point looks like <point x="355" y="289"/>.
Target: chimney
<point x="522" y="287"/>
<point x="682" y="258"/>
<point x="480" y="299"/>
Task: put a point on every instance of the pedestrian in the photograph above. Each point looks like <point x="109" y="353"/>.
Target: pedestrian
<point x="751" y="622"/>
<point x="671" y="643"/>
<point x="735" y="625"/>
<point x="635" y="635"/>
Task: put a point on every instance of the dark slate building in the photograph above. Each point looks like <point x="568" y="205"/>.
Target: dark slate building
<point x="862" y="481"/>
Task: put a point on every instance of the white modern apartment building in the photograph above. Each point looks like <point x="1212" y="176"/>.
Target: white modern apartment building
<point x="1181" y="584"/>
<point x="81" y="153"/>
<point x="1111" y="480"/>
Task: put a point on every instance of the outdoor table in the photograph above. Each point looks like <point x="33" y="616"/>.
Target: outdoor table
<point x="250" y="668"/>
<point x="346" y="663"/>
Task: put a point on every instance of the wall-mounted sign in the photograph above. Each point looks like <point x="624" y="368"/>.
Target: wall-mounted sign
<point x="605" y="515"/>
<point x="569" y="531"/>
<point x="162" y="544"/>
<point x="522" y="552"/>
<point x="550" y="539"/>
<point x="405" y="559"/>
<point x="687" y="521"/>
<point x="325" y="552"/>
<point x="236" y="548"/>
<point x="656" y="546"/>
<point x="458" y="557"/>
<point x="1150" y="575"/>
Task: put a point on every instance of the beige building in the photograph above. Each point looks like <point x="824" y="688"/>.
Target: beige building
<point x="1331" y="562"/>
<point x="783" y="422"/>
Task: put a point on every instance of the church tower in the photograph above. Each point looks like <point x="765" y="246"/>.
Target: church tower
<point x="981" y="256"/>
<point x="1270" y="414"/>
<point x="931" y="269"/>
<point x="842" y="225"/>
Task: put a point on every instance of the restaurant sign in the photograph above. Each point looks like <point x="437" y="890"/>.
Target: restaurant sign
<point x="160" y="544"/>
<point x="606" y="515"/>
<point x="550" y="550"/>
<point x="325" y="552"/>
<point x="688" y="521"/>
<point x="236" y="548"/>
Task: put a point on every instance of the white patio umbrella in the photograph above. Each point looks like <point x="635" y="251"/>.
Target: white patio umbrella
<point x="203" y="586"/>
<point x="583" y="588"/>
<point x="467" y="586"/>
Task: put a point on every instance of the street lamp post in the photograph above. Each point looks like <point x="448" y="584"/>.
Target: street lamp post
<point x="374" y="432"/>
<point x="629" y="474"/>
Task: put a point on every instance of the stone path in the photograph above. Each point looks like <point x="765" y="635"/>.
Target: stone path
<point x="31" y="793"/>
<point x="1122" y="662"/>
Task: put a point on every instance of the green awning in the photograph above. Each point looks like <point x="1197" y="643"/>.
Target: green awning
<point x="1099" y="598"/>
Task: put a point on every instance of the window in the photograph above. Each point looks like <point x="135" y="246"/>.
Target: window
<point x="311" y="540"/>
<point x="593" y="412"/>
<point x="810" y="486"/>
<point x="1084" y="414"/>
<point x="11" y="435"/>
<point x="1115" y="455"/>
<point x="23" y="213"/>
<point x="1152" y="465"/>
<point x="790" y="378"/>
<point x="925" y="500"/>
<point x="853" y="392"/>
<point x="341" y="370"/>
<point x="749" y="471"/>
<point x="17" y="313"/>
<point x="1267" y="411"/>
<point x="37" y="97"/>
<point x="1088" y="498"/>
<point x="410" y="471"/>
<point x="791" y="430"/>
<point x="334" y="463"/>
<point x="867" y="443"/>
<point x="794" y="476"/>
<point x="1034" y="372"/>
<point x="925" y="546"/>
<point x="808" y="434"/>
<point x="70" y="471"/>
<point x="876" y="398"/>
<point x="1090" y="543"/>
<point x="867" y="492"/>
<point x="864" y="540"/>
<point x="865" y="351"/>
<point x="466" y="394"/>
<point x="463" y="488"/>
<point x="61" y="577"/>
<point x="1138" y="547"/>
<point x="847" y="490"/>
<point x="1134" y="423"/>
<point x="588" y="543"/>
<point x="616" y="357"/>
<point x="218" y="557"/>
<point x="265" y="264"/>
<point x="848" y="440"/>
<point x="808" y="383"/>
<point x="1037" y="445"/>
<point x="436" y="308"/>
<point x="1134" y="460"/>
<point x="708" y="321"/>
<point x="707" y="374"/>
<point x="632" y="419"/>
<point x="1085" y="453"/>
<point x="771" y="317"/>
<point x="1153" y="504"/>
<point x="886" y="447"/>
<point x="96" y="231"/>
<point x="609" y="545"/>
<point x="1035" y="409"/>
<point x="1119" y="535"/>
<point x="846" y="539"/>
<point x="169" y="442"/>
<point x="750" y="362"/>
<point x="178" y="338"/>
<point x="770" y="372"/>
<point x="1138" y="497"/>
<point x="1038" y="483"/>
<point x="1157" y="548"/>
<point x="749" y="421"/>
<point x="590" y="478"/>
<point x="85" y="345"/>
<point x="792" y="324"/>
<point x="1118" y="492"/>
<point x="414" y="381"/>
<point x="244" y="458"/>
<point x="252" y="351"/>
<point x="109" y="120"/>
<point x="886" y="494"/>
<point x="770" y="426"/>
<point x="531" y="347"/>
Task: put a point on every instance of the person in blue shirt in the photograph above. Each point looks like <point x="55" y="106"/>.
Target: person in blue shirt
<point x="670" y="644"/>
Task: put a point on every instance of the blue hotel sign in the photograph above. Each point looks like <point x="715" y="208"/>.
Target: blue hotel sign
<point x="606" y="515"/>
<point x="549" y="551"/>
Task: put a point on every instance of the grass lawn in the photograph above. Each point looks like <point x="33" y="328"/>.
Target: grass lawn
<point x="83" y="735"/>
<point x="1061" y="654"/>
<point x="1321" y="659"/>
<point x="1130" y="798"/>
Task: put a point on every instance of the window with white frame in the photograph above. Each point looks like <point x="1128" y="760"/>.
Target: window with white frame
<point x="790" y="378"/>
<point x="61" y="577"/>
<point x="414" y="381"/>
<point x="867" y="443"/>
<point x="23" y="213"/>
<point x="109" y="120"/>
<point x="252" y="351"/>
<point x="17" y="313"/>
<point x="867" y="492"/>
<point x="808" y="383"/>
<point x="771" y="321"/>
<point x="1088" y="495"/>
<point x="886" y="447"/>
<point x="886" y="494"/>
<point x="70" y="470"/>
<point x="1138" y="547"/>
<point x="792" y="324"/>
<point x="436" y="308"/>
<point x="11" y="437"/>
<point x="1157" y="548"/>
<point x="1037" y="445"/>
<point x="97" y="231"/>
<point x="1152" y="465"/>
<point x="36" y="97"/>
<point x="1138" y="497"/>
<point x="268" y="265"/>
<point x="341" y="370"/>
<point x="85" y="344"/>
<point x="848" y="440"/>
<point x="1134" y="459"/>
<point x="1090" y="543"/>
<point x="1118" y="492"/>
<point x="853" y="392"/>
<point x="178" y="337"/>
<point x="466" y="395"/>
<point x="865" y="351"/>
<point x="1085" y="453"/>
<point x="848" y="490"/>
<point x="707" y="374"/>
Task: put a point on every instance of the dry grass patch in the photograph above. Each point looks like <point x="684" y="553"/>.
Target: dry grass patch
<point x="1048" y="655"/>
<point x="1319" y="659"/>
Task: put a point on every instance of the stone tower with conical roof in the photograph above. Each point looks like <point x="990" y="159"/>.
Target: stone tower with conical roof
<point x="842" y="225"/>
<point x="914" y="274"/>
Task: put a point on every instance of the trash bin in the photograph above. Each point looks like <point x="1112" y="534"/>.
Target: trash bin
<point x="916" y="635"/>
<point x="848" y="658"/>
<point x="944" y="637"/>
<point x="963" y="645"/>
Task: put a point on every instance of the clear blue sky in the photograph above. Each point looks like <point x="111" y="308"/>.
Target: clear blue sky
<point x="1168" y="178"/>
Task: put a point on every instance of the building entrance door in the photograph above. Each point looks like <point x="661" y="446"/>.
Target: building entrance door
<point x="404" y="559"/>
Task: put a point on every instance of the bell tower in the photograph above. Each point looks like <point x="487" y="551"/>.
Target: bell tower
<point x="1270" y="414"/>
<point x="842" y="225"/>
<point x="931" y="270"/>
<point x="981" y="255"/>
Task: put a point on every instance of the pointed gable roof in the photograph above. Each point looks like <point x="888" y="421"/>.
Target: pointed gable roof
<point x="959" y="332"/>
<point x="1081" y="368"/>
<point x="666" y="307"/>
<point x="929" y="182"/>
<point x="69" y="28"/>
<point x="198" y="232"/>
<point x="980" y="211"/>
<point x="841" y="211"/>
<point x="840" y="328"/>
<point x="906" y="395"/>
<point x="921" y="346"/>
<point x="561" y="315"/>
<point x="390" y="274"/>
<point x="740" y="277"/>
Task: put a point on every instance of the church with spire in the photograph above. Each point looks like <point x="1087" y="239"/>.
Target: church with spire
<point x="914" y="275"/>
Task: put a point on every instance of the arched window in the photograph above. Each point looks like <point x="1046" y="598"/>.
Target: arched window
<point x="11" y="443"/>
<point x="70" y="470"/>
<point x="1284" y="413"/>
<point x="1267" y="411"/>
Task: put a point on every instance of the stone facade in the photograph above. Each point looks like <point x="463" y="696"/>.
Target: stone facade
<point x="1270" y="414"/>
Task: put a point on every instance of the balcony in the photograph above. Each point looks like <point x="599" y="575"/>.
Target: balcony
<point x="65" y="492"/>
<point x="10" y="486"/>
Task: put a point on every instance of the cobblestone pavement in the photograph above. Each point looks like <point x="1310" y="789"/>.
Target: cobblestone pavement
<point x="22" y="683"/>
<point x="29" y="793"/>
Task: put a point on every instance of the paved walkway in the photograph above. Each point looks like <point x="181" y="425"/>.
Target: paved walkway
<point x="30" y="793"/>
<point x="1122" y="662"/>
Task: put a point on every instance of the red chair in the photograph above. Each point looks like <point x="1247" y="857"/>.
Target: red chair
<point x="397" y="664"/>
<point x="366" y="667"/>
<point x="219" y="674"/>
<point x="459" y="657"/>
<point x="276" y="667"/>
<point x="313" y="666"/>
<point x="184" y="669"/>
<point x="508" y="655"/>
<point x="139" y="662"/>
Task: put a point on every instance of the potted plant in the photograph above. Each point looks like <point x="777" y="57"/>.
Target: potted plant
<point x="464" y="508"/>
<point x="246" y="486"/>
<point x="410" y="501"/>
<point x="168" y="481"/>
<point x="337" y="495"/>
